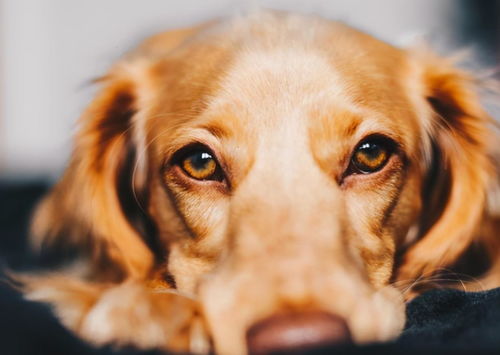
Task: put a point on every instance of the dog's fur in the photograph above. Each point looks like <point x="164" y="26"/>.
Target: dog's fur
<point x="281" y="100"/>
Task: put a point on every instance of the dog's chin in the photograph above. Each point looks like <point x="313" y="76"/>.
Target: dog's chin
<point x="370" y="316"/>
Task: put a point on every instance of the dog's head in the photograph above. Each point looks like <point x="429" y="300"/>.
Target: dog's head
<point x="277" y="164"/>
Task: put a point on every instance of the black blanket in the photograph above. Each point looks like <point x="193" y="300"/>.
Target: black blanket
<point x="438" y="322"/>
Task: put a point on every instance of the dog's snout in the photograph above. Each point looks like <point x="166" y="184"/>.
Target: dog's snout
<point x="296" y="333"/>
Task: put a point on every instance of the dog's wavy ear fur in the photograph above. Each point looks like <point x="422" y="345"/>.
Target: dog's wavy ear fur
<point x="461" y="168"/>
<point x="86" y="208"/>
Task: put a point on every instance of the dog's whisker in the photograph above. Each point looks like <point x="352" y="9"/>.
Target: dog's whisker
<point x="142" y="153"/>
<point x="407" y="285"/>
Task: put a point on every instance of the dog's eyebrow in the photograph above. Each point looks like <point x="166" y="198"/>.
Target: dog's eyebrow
<point x="217" y="130"/>
<point x="352" y="127"/>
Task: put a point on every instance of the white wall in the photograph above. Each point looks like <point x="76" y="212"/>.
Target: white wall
<point x="51" y="49"/>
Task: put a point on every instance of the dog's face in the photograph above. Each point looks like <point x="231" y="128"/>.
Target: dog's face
<point x="295" y="182"/>
<point x="282" y="168"/>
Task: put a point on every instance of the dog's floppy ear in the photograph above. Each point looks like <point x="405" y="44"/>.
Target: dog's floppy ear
<point x="460" y="132"/>
<point x="86" y="208"/>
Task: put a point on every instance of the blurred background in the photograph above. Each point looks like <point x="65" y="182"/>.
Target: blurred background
<point x="50" y="50"/>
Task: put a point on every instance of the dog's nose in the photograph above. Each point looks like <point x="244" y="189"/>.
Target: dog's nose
<point x="296" y="333"/>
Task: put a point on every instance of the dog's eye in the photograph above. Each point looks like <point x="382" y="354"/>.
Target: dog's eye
<point x="201" y="165"/>
<point x="371" y="155"/>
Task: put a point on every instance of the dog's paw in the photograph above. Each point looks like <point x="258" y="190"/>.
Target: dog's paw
<point x="132" y="314"/>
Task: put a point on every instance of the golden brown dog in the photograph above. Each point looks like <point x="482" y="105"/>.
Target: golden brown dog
<point x="248" y="181"/>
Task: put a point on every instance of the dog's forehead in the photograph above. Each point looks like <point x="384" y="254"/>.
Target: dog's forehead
<point x="278" y="71"/>
<point x="274" y="73"/>
<point x="308" y="81"/>
<point x="278" y="82"/>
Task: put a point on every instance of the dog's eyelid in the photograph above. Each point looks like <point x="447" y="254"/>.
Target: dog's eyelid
<point x="173" y="155"/>
<point x="392" y="143"/>
<point x="176" y="159"/>
<point x="379" y="137"/>
<point x="390" y="146"/>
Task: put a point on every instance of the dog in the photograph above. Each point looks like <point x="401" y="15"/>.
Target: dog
<point x="268" y="183"/>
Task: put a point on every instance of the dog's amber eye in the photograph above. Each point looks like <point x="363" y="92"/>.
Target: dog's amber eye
<point x="371" y="155"/>
<point x="200" y="165"/>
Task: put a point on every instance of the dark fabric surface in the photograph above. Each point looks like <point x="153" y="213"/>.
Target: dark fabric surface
<point x="439" y="321"/>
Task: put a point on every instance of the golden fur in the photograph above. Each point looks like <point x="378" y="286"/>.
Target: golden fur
<point x="281" y="100"/>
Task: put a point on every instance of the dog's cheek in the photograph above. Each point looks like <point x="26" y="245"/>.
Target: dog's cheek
<point x="164" y="214"/>
<point x="407" y="208"/>
<point x="378" y="231"/>
<point x="379" y="263"/>
<point x="187" y="268"/>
